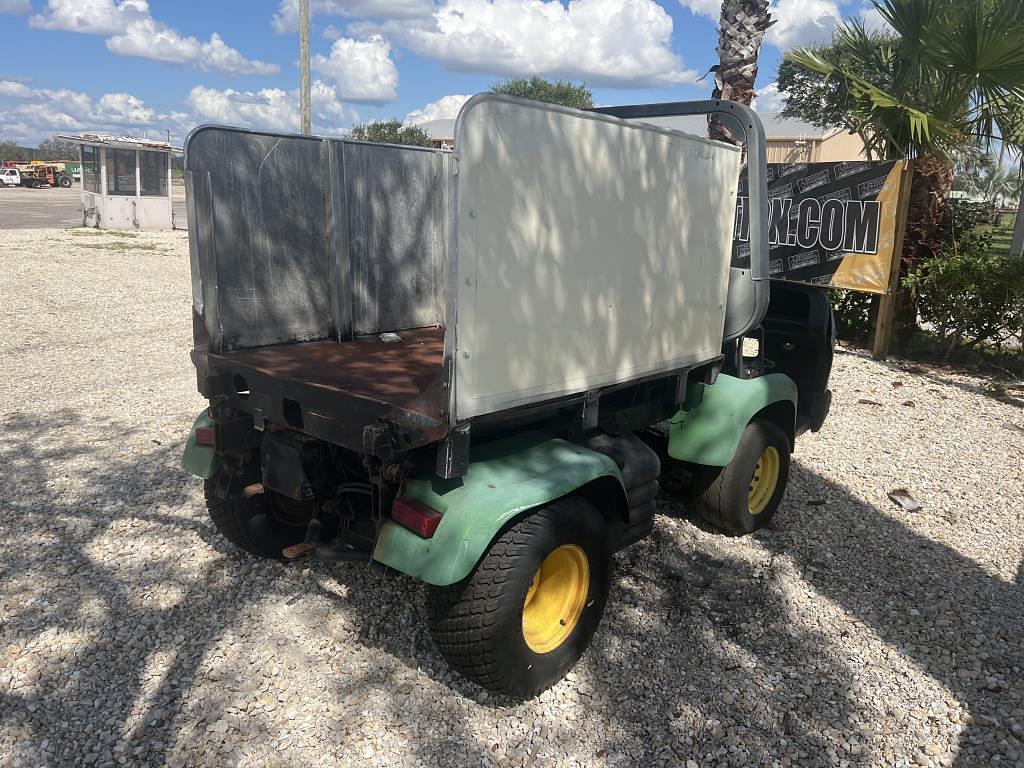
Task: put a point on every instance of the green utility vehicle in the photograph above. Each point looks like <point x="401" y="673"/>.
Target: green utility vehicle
<point x="471" y="367"/>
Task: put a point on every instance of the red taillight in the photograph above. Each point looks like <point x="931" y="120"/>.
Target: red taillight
<point x="416" y="516"/>
<point x="206" y="436"/>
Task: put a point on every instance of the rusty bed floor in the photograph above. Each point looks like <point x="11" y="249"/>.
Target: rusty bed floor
<point x="405" y="373"/>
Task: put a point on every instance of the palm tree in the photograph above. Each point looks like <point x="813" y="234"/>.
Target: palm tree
<point x="984" y="175"/>
<point x="740" y="32"/>
<point x="953" y="75"/>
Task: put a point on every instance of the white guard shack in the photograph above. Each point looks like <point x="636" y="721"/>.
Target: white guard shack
<point x="125" y="182"/>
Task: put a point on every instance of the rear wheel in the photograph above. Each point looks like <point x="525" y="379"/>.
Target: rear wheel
<point x="65" y="182"/>
<point x="259" y="521"/>
<point x="528" y="611"/>
<point x="744" y="495"/>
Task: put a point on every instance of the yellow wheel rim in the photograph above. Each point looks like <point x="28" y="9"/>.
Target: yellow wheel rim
<point x="764" y="480"/>
<point x="556" y="598"/>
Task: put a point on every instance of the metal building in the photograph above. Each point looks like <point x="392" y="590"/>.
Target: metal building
<point x="125" y="182"/>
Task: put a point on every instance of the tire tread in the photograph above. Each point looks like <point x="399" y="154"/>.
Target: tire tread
<point x="465" y="618"/>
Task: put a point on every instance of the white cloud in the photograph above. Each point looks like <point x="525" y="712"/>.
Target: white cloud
<point x="38" y="113"/>
<point x="15" y="7"/>
<point x="10" y="89"/>
<point x="271" y="108"/>
<point x="331" y="32"/>
<point x="30" y="115"/>
<point x="361" y="70"/>
<point x="123" y="109"/>
<point x="132" y="31"/>
<point x="97" y="17"/>
<point x="151" y="39"/>
<point x="873" y="20"/>
<point x="710" y="8"/>
<point x="769" y="99"/>
<point x="605" y="42"/>
<point x="445" y="108"/>
<point x="802" y="22"/>
<point x="286" y="17"/>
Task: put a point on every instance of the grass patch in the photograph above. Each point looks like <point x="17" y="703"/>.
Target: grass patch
<point x="1002" y="236"/>
<point x="90" y="232"/>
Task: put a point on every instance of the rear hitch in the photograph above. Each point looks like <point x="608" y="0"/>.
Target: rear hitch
<point x="316" y="550"/>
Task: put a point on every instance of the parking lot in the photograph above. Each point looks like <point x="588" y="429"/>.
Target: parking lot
<point x="53" y="207"/>
<point x="849" y="633"/>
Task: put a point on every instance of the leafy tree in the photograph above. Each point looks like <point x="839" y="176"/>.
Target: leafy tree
<point x="951" y="73"/>
<point x="537" y="88"/>
<point x="391" y="132"/>
<point x="741" y="29"/>
<point x="981" y="175"/>
<point x="822" y="100"/>
<point x="11" y="151"/>
<point x="55" y="148"/>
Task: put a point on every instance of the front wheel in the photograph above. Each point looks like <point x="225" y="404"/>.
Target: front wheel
<point x="65" y="182"/>
<point x="744" y="495"/>
<point x="528" y="611"/>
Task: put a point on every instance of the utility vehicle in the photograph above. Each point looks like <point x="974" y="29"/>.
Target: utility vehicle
<point x="471" y="367"/>
<point x="33" y="175"/>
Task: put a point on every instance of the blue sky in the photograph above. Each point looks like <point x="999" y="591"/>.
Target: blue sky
<point x="146" y="68"/>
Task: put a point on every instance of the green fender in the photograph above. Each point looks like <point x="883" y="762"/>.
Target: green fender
<point x="711" y="422"/>
<point x="505" y="478"/>
<point x="200" y="460"/>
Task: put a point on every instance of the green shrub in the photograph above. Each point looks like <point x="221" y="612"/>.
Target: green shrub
<point x="853" y="315"/>
<point x="971" y="294"/>
<point x="391" y="132"/>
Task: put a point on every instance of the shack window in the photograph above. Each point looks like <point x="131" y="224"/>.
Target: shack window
<point x="91" y="169"/>
<point x="153" y="170"/>
<point x="120" y="171"/>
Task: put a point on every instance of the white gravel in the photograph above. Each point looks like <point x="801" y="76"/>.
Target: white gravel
<point x="850" y="633"/>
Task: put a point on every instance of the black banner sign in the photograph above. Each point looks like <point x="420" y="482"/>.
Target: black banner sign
<point x="831" y="224"/>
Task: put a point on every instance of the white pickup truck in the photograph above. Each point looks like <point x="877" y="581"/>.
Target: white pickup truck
<point x="10" y="177"/>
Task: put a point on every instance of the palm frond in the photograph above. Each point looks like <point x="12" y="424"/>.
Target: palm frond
<point x="983" y="42"/>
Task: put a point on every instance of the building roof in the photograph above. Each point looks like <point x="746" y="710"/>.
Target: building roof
<point x="775" y="126"/>
<point x="121" y="142"/>
<point x="439" y="129"/>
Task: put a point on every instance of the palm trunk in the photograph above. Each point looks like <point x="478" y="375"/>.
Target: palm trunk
<point x="929" y="194"/>
<point x="740" y="30"/>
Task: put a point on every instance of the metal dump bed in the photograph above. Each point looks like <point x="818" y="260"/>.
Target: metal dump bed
<point x="557" y="254"/>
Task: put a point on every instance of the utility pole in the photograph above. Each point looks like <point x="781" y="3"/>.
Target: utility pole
<point x="305" y="118"/>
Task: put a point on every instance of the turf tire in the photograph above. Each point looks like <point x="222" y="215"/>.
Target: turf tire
<point x="720" y="493"/>
<point x="477" y="623"/>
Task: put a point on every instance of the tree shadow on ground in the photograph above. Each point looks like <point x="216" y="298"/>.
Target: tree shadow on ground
<point x="90" y="610"/>
<point x="940" y="611"/>
<point x="699" y="656"/>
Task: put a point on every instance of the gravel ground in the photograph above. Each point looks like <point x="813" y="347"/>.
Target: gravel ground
<point x="850" y="633"/>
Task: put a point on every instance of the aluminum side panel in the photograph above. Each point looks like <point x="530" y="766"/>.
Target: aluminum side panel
<point x="591" y="251"/>
<point x="300" y="238"/>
